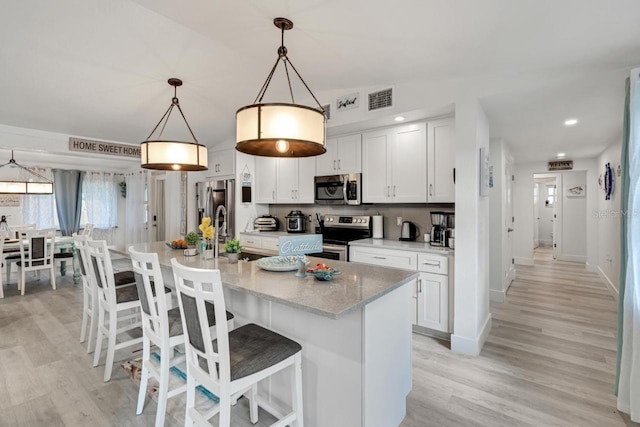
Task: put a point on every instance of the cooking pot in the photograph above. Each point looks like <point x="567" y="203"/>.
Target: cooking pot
<point x="296" y="222"/>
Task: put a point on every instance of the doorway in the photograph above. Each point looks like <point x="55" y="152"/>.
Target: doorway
<point x="546" y="206"/>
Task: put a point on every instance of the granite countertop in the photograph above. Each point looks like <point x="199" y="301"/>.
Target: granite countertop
<point x="358" y="285"/>
<point x="401" y="245"/>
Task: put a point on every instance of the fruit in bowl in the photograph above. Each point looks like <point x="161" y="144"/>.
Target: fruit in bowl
<point x="323" y="272"/>
<point x="178" y="244"/>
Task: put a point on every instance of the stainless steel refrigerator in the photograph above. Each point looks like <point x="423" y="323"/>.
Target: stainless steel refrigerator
<point x="210" y="195"/>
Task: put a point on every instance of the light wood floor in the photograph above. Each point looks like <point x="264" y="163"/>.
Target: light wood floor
<point x="549" y="360"/>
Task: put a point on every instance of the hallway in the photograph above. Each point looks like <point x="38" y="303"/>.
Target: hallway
<point x="549" y="359"/>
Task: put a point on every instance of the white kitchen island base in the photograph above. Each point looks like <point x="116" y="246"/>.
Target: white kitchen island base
<point x="355" y="333"/>
<point x="356" y="370"/>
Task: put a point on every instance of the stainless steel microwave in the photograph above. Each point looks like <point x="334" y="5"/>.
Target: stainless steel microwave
<point x="345" y="189"/>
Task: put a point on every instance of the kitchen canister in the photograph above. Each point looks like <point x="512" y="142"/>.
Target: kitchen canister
<point x="377" y="226"/>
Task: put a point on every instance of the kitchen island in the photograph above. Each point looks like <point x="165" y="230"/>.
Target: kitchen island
<point x="355" y="333"/>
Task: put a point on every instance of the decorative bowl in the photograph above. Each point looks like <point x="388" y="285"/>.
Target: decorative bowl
<point x="174" y="246"/>
<point x="323" y="273"/>
<point x="280" y="263"/>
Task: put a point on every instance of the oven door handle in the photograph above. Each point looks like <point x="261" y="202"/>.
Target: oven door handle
<point x="345" y="182"/>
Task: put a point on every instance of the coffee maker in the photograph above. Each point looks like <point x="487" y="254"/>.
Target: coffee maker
<point x="443" y="224"/>
<point x="438" y="227"/>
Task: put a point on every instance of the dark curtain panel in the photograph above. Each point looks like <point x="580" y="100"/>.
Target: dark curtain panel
<point x="67" y="187"/>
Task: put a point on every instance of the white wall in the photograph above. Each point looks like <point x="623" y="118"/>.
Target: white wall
<point x="574" y="218"/>
<point x="472" y="320"/>
<point x="608" y="220"/>
<point x="523" y="206"/>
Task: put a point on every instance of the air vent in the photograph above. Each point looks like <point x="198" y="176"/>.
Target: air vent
<point x="327" y="111"/>
<point x="380" y="99"/>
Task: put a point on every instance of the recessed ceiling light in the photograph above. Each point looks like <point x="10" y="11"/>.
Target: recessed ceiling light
<point x="570" y="122"/>
<point x="399" y="119"/>
<point x="559" y="155"/>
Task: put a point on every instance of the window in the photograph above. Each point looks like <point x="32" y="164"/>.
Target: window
<point x="551" y="196"/>
<point x="99" y="203"/>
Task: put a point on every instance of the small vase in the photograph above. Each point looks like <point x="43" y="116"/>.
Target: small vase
<point x="233" y="257"/>
<point x="207" y="254"/>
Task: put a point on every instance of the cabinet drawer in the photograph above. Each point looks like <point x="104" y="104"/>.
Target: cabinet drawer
<point x="270" y="243"/>
<point x="251" y="241"/>
<point x="433" y="263"/>
<point x="384" y="257"/>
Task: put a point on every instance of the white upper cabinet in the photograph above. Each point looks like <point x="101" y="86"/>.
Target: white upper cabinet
<point x="285" y="180"/>
<point x="394" y="165"/>
<point x="441" y="160"/>
<point x="344" y="155"/>
<point x="221" y="162"/>
<point x="266" y="168"/>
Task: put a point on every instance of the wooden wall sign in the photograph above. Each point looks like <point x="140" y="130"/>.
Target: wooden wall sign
<point x="99" y="147"/>
<point x="560" y="165"/>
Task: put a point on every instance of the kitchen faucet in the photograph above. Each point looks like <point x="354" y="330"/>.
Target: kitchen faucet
<point x="216" y="245"/>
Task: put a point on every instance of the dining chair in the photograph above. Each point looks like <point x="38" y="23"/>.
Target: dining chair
<point x="119" y="303"/>
<point x="16" y="233"/>
<point x="161" y="327"/>
<point x="36" y="254"/>
<point x="87" y="230"/>
<point x="232" y="364"/>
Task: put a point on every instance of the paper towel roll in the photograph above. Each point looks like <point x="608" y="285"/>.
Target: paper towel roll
<point x="377" y="227"/>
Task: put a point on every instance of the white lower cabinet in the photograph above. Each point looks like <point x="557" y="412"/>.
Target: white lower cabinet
<point x="264" y="244"/>
<point x="432" y="295"/>
<point x="433" y="301"/>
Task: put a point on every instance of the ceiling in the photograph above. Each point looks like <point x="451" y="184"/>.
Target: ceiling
<point x="98" y="69"/>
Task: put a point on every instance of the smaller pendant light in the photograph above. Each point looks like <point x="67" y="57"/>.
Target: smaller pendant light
<point x="162" y="154"/>
<point x="281" y="129"/>
<point x="42" y="186"/>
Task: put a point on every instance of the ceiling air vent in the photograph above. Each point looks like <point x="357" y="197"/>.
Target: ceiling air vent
<point x="380" y="99"/>
<point x="327" y="111"/>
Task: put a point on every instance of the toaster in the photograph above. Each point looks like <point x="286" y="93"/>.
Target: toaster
<point x="266" y="223"/>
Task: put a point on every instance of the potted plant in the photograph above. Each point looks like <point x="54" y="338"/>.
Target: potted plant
<point x="233" y="248"/>
<point x="192" y="239"/>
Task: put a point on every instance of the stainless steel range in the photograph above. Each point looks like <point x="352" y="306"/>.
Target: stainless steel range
<point x="338" y="230"/>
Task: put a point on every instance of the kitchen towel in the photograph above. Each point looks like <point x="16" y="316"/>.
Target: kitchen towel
<point x="377" y="227"/>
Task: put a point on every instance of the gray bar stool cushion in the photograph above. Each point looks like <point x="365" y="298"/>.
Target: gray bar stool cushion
<point x="253" y="348"/>
<point x="130" y="293"/>
<point x="124" y="278"/>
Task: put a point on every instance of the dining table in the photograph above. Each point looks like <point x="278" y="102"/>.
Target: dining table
<point x="61" y="243"/>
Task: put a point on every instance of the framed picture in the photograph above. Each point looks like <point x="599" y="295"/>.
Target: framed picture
<point x="9" y="200"/>
<point x="577" y="191"/>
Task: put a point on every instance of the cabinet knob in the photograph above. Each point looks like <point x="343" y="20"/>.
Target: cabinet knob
<point x="430" y="189"/>
<point x="334" y="165"/>
<point x="339" y="167"/>
<point x="419" y="286"/>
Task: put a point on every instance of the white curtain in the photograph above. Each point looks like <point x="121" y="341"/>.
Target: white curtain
<point x="629" y="381"/>
<point x="41" y="209"/>
<point x="136" y="207"/>
<point x="100" y="194"/>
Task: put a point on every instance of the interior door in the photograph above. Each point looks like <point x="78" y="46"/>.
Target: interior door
<point x="158" y="209"/>
<point x="536" y="215"/>
<point x="509" y="225"/>
<point x="556" y="225"/>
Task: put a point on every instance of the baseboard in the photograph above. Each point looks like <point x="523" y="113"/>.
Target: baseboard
<point x="431" y="333"/>
<point x="523" y="261"/>
<point x="470" y="346"/>
<point x="496" y="295"/>
<point x="612" y="288"/>
<point x="572" y="258"/>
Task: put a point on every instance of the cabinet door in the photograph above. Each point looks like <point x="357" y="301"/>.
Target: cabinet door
<point x="433" y="301"/>
<point x="266" y="168"/>
<point x="409" y="164"/>
<point x="441" y="155"/>
<point x="221" y="162"/>
<point x="305" y="193"/>
<point x="326" y="164"/>
<point x="286" y="180"/>
<point x="375" y="184"/>
<point x="350" y="154"/>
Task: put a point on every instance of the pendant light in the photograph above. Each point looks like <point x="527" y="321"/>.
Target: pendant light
<point x="41" y="186"/>
<point x="281" y="129"/>
<point x="161" y="154"/>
